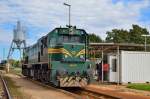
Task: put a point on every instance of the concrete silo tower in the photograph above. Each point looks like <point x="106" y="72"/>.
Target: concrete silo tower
<point x="18" y="41"/>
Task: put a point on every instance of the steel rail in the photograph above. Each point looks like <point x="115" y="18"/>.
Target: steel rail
<point x="90" y="94"/>
<point x="50" y="86"/>
<point x="6" y="90"/>
<point x="76" y="92"/>
<point x="97" y="95"/>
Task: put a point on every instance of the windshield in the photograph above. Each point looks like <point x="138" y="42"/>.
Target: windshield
<point x="70" y="39"/>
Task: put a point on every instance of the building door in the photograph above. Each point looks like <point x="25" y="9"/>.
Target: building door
<point x="113" y="69"/>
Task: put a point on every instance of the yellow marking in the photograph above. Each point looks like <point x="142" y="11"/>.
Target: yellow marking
<point x="64" y="51"/>
<point x="71" y="83"/>
<point x="70" y="79"/>
<point x="59" y="50"/>
<point x="73" y="65"/>
<point x="73" y="52"/>
<point x="81" y="52"/>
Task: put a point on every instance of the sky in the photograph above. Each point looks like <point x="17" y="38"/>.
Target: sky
<point x="95" y="16"/>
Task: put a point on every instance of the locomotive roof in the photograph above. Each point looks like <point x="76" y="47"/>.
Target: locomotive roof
<point x="73" y="27"/>
<point x="54" y="30"/>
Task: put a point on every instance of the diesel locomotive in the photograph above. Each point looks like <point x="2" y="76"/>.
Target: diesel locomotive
<point x="60" y="58"/>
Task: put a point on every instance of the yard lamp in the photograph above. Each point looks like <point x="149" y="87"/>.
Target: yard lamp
<point x="145" y="44"/>
<point x="68" y="5"/>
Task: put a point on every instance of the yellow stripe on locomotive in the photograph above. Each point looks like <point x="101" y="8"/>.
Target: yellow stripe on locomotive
<point x="64" y="51"/>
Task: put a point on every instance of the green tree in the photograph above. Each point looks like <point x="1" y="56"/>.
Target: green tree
<point x="11" y="62"/>
<point x="136" y="34"/>
<point x="94" y="38"/>
<point x="16" y="64"/>
<point x="124" y="36"/>
<point x="117" y="36"/>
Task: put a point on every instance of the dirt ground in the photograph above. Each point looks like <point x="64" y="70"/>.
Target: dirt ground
<point x="121" y="90"/>
<point x="35" y="91"/>
<point x="1" y="89"/>
<point x="32" y="90"/>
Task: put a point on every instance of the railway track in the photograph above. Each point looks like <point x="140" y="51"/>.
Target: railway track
<point x="5" y="90"/>
<point x="50" y="86"/>
<point x="88" y="94"/>
<point x="78" y="93"/>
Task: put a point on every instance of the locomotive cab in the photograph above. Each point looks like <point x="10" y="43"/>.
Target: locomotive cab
<point x="73" y="45"/>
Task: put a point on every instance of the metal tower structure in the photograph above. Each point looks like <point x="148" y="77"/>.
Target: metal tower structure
<point x="18" y="42"/>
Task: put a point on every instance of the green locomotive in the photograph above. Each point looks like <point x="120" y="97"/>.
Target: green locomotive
<point x="60" y="58"/>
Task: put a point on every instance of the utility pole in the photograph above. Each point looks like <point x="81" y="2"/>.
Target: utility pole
<point x="145" y="43"/>
<point x="3" y="53"/>
<point x="68" y="5"/>
<point x="102" y="65"/>
<point x="118" y="64"/>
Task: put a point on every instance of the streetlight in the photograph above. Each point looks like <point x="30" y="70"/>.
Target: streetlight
<point x="3" y="53"/>
<point x="69" y="12"/>
<point x="145" y="41"/>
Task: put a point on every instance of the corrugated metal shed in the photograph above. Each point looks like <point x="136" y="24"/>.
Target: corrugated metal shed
<point x="135" y="67"/>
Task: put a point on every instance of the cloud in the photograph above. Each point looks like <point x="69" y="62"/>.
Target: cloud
<point x="5" y="36"/>
<point x="96" y="16"/>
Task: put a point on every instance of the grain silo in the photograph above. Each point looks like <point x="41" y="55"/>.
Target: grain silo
<point x="18" y="41"/>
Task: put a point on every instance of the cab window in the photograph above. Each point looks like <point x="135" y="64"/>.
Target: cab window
<point x="70" y="38"/>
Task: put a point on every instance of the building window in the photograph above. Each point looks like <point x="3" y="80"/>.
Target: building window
<point x="114" y="65"/>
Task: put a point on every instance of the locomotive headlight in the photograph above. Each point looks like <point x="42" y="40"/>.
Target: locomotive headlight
<point x="81" y="56"/>
<point x="66" y="56"/>
<point x="61" y="72"/>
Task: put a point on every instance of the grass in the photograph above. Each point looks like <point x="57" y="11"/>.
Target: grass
<point x="14" y="90"/>
<point x="16" y="70"/>
<point x="145" y="87"/>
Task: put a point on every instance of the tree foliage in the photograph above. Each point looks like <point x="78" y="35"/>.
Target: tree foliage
<point x="117" y="36"/>
<point x="131" y="36"/>
<point x="136" y="34"/>
<point x="94" y="38"/>
<point x="14" y="63"/>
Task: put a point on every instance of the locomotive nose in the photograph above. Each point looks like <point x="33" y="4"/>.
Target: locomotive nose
<point x="73" y="52"/>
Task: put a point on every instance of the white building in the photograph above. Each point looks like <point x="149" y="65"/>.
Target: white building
<point x="129" y="66"/>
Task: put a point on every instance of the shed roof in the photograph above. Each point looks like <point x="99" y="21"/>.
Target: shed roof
<point x="110" y="47"/>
